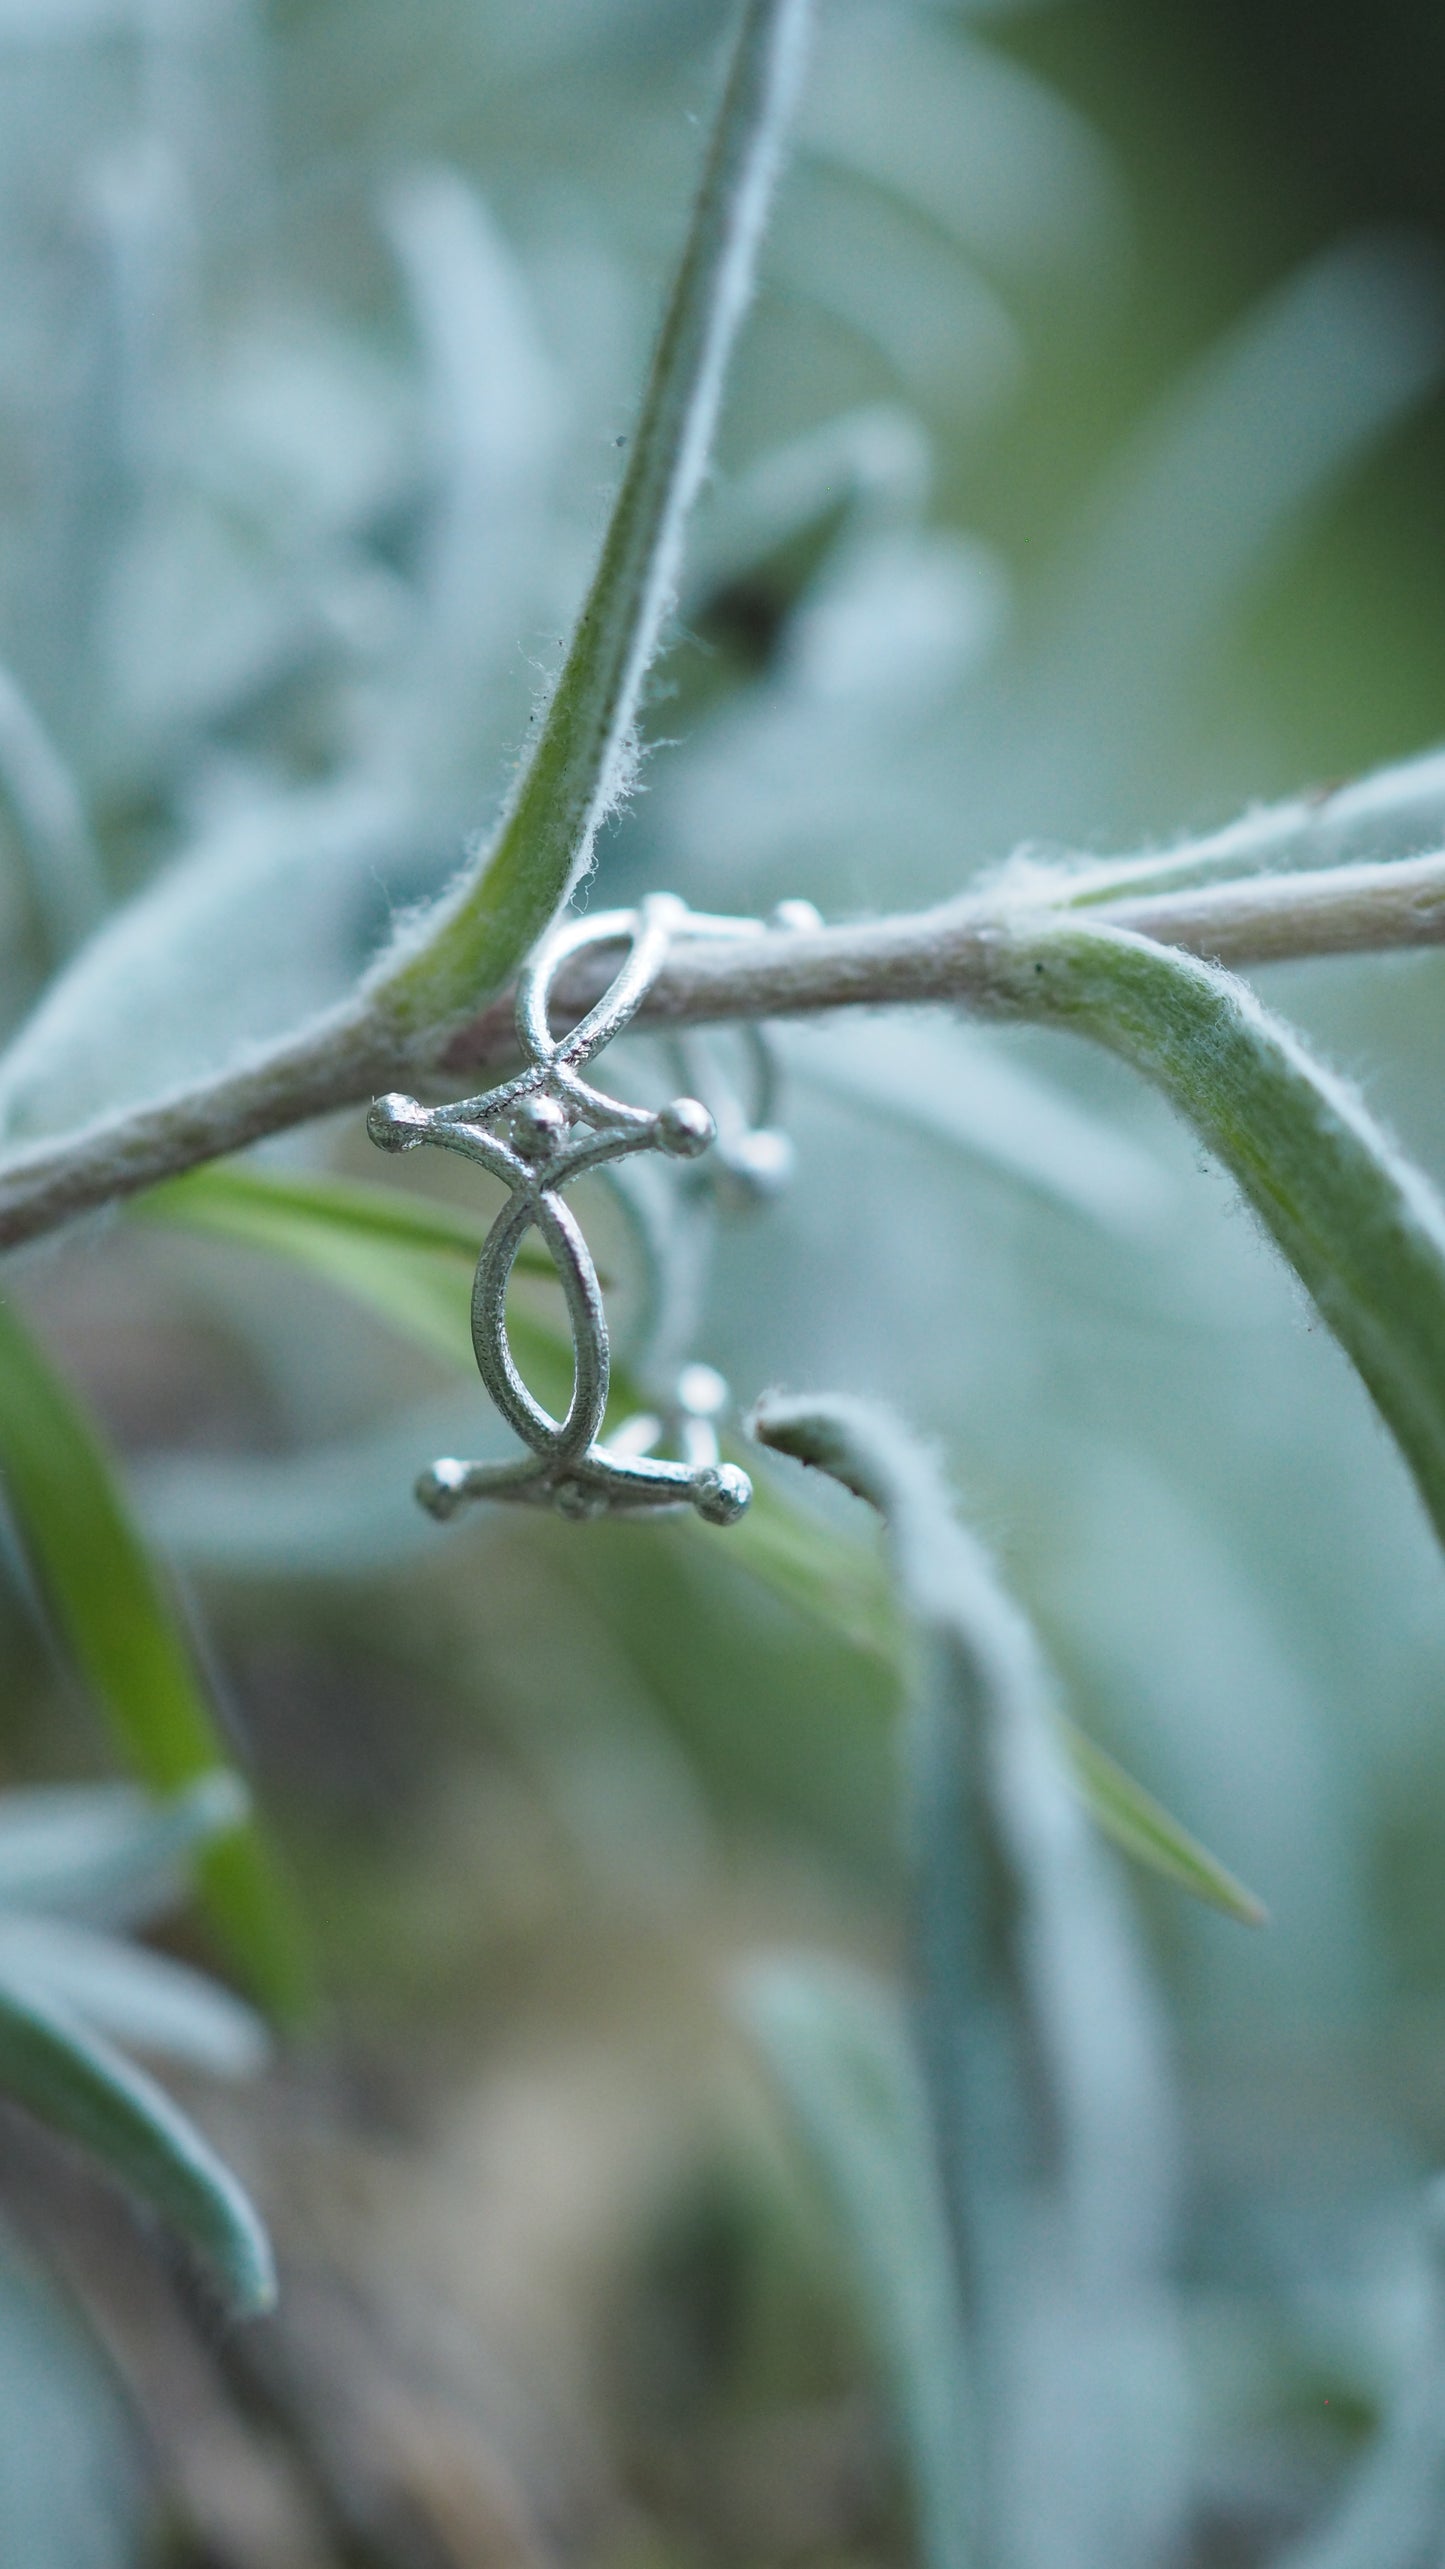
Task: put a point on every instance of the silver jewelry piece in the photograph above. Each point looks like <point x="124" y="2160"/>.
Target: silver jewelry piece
<point x="537" y="1133"/>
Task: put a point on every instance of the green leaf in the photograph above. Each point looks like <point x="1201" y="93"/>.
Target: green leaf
<point x="411" y="1262"/>
<point x="837" y="2048"/>
<point x="108" y="1852"/>
<point x="1143" y="1829"/>
<point x="826" y="1574"/>
<point x="80" y="2088"/>
<point x="1362" y="1229"/>
<point x="581" y="765"/>
<point x="109" y="1604"/>
<point x="1392" y="813"/>
<point x="239" y="1202"/>
<point x="995" y="1825"/>
<point x="145" y="2000"/>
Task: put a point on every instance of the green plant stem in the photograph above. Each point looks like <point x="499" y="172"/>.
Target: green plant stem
<point x="584" y="755"/>
<point x="956" y="955"/>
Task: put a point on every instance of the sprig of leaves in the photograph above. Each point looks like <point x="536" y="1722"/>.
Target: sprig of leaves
<point x="77" y="2084"/>
<point x="583" y="758"/>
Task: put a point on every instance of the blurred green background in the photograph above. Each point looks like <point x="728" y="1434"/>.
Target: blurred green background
<point x="1083" y="479"/>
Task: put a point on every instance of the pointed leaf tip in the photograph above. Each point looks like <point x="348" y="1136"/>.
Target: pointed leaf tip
<point x="1141" y="1827"/>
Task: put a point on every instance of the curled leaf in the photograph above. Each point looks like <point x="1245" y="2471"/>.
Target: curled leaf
<point x="1362" y="1229"/>
<point x="826" y="1574"/>
<point x="1000" y="1808"/>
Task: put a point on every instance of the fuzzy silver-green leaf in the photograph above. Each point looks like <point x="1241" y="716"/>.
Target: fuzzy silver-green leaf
<point x="1363" y="1229"/>
<point x="582" y="760"/>
<point x="74" y="2083"/>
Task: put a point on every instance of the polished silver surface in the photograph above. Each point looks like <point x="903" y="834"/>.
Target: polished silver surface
<point x="539" y="1131"/>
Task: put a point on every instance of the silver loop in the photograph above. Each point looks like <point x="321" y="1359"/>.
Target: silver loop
<point x="658" y="922"/>
<point x="754" y="1158"/>
<point x="537" y="1132"/>
<point x="649" y="931"/>
<point x="560" y="1439"/>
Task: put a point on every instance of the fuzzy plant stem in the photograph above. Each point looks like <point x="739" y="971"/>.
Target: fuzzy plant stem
<point x="584" y="756"/>
<point x="959" y="955"/>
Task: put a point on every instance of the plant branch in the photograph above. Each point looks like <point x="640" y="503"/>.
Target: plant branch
<point x="950" y="955"/>
<point x="581" y="763"/>
<point x="337" y="1061"/>
<point x="1283" y="918"/>
<point x="954" y="956"/>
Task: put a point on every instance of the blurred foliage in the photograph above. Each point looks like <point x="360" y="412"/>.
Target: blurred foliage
<point x="1082" y="478"/>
